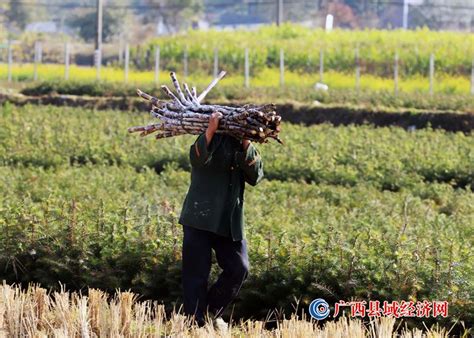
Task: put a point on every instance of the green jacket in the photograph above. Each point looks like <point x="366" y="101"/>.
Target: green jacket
<point x="215" y="198"/>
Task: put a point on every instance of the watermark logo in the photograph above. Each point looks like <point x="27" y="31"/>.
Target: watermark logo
<point x="396" y="309"/>
<point x="319" y="309"/>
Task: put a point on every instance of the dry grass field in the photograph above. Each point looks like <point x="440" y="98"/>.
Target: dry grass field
<point x="36" y="313"/>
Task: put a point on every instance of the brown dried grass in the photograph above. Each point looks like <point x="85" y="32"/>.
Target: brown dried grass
<point x="35" y="313"/>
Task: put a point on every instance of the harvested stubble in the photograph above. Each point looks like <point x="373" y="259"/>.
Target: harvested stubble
<point x="36" y="313"/>
<point x="185" y="114"/>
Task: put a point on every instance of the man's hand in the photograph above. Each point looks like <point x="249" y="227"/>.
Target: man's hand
<point x="212" y="126"/>
<point x="245" y="144"/>
<point x="214" y="122"/>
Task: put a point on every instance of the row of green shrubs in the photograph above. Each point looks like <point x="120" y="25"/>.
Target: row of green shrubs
<point x="388" y="158"/>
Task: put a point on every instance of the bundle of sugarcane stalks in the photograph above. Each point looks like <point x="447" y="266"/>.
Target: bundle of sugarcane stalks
<point x="185" y="114"/>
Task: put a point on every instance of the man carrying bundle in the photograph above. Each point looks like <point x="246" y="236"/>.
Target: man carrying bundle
<point x="212" y="218"/>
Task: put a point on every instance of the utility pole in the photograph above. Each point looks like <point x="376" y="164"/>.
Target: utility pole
<point x="405" y="14"/>
<point x="98" y="38"/>
<point x="279" y="12"/>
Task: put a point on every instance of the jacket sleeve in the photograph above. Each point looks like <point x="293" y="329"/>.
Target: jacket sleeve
<point x="251" y="164"/>
<point x="199" y="153"/>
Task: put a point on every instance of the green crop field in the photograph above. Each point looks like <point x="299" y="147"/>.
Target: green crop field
<point x="453" y="51"/>
<point x="344" y="212"/>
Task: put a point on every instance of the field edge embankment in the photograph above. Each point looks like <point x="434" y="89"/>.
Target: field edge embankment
<point x="291" y="112"/>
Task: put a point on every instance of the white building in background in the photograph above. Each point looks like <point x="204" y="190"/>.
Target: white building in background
<point x="406" y="7"/>
<point x="42" y="27"/>
<point x="444" y="14"/>
<point x="454" y="14"/>
<point x="231" y="21"/>
<point x="457" y="15"/>
<point x="162" y="29"/>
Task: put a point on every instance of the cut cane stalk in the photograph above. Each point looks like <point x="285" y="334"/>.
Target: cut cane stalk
<point x="178" y="89"/>
<point x="211" y="85"/>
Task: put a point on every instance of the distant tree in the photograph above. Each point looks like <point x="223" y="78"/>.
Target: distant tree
<point x="176" y="14"/>
<point x="359" y="7"/>
<point x="87" y="27"/>
<point x="3" y="20"/>
<point x="18" y="14"/>
<point x="343" y="15"/>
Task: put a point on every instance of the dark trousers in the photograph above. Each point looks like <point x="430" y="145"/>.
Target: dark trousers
<point x="197" y="252"/>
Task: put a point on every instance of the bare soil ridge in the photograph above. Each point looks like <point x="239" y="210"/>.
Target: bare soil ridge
<point x="291" y="112"/>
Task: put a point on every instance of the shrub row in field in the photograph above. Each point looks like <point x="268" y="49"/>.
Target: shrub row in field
<point x="377" y="48"/>
<point x="388" y="158"/>
<point x="112" y="227"/>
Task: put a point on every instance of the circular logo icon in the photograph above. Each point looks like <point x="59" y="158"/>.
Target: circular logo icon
<point x="319" y="309"/>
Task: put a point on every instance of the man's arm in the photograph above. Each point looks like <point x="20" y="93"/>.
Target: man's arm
<point x="200" y="153"/>
<point x="250" y="162"/>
